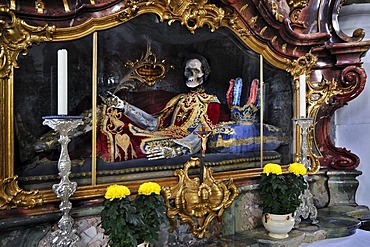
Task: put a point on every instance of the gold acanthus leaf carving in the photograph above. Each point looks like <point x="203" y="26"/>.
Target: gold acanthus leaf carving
<point x="16" y="36"/>
<point x="302" y="65"/>
<point x="191" y="13"/>
<point x="194" y="14"/>
<point x="197" y="202"/>
<point x="320" y="92"/>
<point x="11" y="196"/>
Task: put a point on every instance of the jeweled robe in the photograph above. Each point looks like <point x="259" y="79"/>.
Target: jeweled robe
<point x="122" y="139"/>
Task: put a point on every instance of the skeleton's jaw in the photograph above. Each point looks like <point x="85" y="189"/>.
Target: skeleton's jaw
<point x="193" y="83"/>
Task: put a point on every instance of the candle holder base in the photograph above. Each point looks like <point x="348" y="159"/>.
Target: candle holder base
<point x="306" y="208"/>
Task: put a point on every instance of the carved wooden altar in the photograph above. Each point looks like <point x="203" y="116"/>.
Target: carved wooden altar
<point x="295" y="36"/>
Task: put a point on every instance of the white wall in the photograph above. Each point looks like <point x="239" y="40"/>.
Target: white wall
<point x="353" y="121"/>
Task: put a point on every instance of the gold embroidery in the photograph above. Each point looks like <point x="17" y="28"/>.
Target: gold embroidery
<point x="220" y="143"/>
<point x="112" y="126"/>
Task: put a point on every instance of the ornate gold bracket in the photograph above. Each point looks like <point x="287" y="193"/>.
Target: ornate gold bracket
<point x="198" y="203"/>
<point x="11" y="196"/>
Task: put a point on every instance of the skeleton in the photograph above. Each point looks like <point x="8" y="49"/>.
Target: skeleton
<point x="195" y="76"/>
<point x="196" y="72"/>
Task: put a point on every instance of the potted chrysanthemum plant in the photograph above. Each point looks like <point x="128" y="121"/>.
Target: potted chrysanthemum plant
<point x="120" y="219"/>
<point x="280" y="194"/>
<point x="133" y="222"/>
<point x="153" y="209"/>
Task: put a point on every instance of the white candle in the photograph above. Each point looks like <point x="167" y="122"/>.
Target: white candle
<point x="302" y="95"/>
<point x="62" y="82"/>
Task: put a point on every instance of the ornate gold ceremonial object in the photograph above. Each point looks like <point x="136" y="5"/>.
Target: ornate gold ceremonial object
<point x="11" y="196"/>
<point x="198" y="203"/>
<point x="145" y="70"/>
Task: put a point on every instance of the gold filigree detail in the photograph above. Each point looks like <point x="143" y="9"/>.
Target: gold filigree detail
<point x="244" y="8"/>
<point x="283" y="47"/>
<point x="273" y="39"/>
<point x="194" y="14"/>
<point x="11" y="196"/>
<point x="296" y="7"/>
<point x="302" y="65"/>
<point x="197" y="202"/>
<point x="16" y="37"/>
<point x="40" y="6"/>
<point x="129" y="12"/>
<point x="237" y="142"/>
<point x="66" y="6"/>
<point x="253" y="21"/>
<point x="263" y="30"/>
<point x="320" y="92"/>
<point x="147" y="69"/>
<point x="293" y="4"/>
<point x="13" y="5"/>
<point x="294" y="51"/>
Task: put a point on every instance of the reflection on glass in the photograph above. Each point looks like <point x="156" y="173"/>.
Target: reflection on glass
<point x="167" y="83"/>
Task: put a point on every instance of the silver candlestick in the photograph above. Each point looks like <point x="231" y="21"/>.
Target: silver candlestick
<point x="65" y="235"/>
<point x="307" y="207"/>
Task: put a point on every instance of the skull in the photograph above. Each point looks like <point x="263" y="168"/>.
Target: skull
<point x="193" y="73"/>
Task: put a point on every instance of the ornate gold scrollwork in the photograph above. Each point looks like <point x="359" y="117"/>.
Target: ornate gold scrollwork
<point x="296" y="7"/>
<point x="197" y="202"/>
<point x="194" y="14"/>
<point x="147" y="69"/>
<point x="11" y="196"/>
<point x="302" y="65"/>
<point x="16" y="37"/>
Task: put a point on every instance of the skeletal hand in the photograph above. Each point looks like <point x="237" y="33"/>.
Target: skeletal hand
<point x="165" y="152"/>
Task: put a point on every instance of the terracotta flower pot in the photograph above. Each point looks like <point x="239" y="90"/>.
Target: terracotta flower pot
<point x="278" y="225"/>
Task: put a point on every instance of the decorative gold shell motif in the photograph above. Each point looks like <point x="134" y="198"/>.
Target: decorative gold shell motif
<point x="11" y="196"/>
<point x="198" y="201"/>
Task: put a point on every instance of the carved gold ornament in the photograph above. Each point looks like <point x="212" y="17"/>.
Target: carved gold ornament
<point x="17" y="36"/>
<point x="11" y="196"/>
<point x="197" y="203"/>
<point x="147" y="69"/>
<point x="296" y="7"/>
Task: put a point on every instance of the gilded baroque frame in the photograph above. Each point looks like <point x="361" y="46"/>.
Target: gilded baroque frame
<point x="245" y="20"/>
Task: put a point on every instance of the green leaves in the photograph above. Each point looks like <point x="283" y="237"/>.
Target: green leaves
<point x="128" y="223"/>
<point x="280" y="193"/>
<point x="154" y="211"/>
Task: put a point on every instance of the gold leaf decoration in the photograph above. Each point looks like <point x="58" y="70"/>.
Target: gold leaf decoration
<point x="11" y="196"/>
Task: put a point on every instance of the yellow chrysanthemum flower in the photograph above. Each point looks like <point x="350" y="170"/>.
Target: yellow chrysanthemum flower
<point x="272" y="168"/>
<point x="149" y="188"/>
<point x="116" y="191"/>
<point x="297" y="169"/>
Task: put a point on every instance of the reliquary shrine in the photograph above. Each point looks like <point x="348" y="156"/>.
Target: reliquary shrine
<point x="208" y="88"/>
